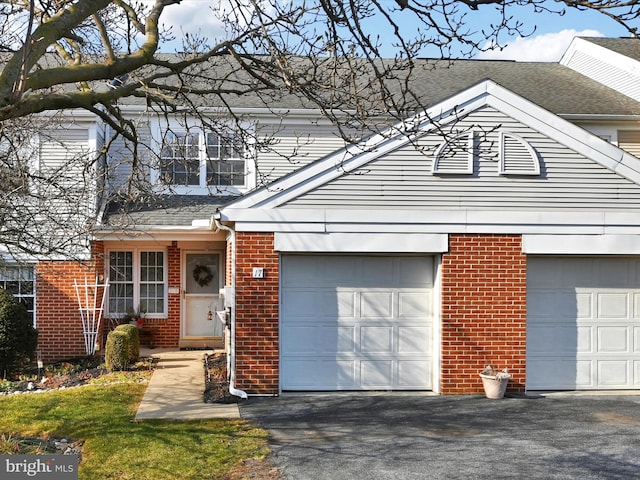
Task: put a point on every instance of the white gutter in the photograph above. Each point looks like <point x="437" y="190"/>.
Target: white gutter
<point x="231" y="354"/>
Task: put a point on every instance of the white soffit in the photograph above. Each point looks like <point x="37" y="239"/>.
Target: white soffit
<point x="361" y="242"/>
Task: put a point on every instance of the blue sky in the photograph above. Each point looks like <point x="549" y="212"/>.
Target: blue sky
<point x="550" y="39"/>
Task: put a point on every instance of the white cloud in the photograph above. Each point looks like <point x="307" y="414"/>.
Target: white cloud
<point x="547" y="47"/>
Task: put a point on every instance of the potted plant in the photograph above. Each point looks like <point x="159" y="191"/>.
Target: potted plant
<point x="135" y="317"/>
<point x="494" y="382"/>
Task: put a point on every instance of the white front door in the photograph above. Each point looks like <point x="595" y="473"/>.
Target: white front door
<point x="201" y="296"/>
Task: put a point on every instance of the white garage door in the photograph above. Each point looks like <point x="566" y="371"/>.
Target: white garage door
<point x="356" y="323"/>
<point x="583" y="323"/>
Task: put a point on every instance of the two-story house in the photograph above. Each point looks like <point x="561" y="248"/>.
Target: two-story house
<point x="501" y="227"/>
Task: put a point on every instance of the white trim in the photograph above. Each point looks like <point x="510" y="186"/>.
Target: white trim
<point x="436" y="375"/>
<point x="581" y="244"/>
<point x="361" y="242"/>
<point x="434" y="222"/>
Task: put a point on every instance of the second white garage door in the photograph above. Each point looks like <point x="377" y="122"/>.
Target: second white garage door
<point x="356" y="322"/>
<point x="583" y="323"/>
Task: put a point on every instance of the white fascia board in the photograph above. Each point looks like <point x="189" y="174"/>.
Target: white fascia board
<point x="441" y="221"/>
<point x="155" y="233"/>
<point x="581" y="244"/>
<point x="354" y="156"/>
<point x="382" y="242"/>
<point x="565" y="132"/>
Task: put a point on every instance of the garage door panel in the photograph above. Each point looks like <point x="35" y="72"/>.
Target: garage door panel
<point x="346" y="304"/>
<point x="376" y="373"/>
<point x="551" y="302"/>
<point x="583" y="306"/>
<point x="376" y="304"/>
<point x="411" y="373"/>
<point x="546" y="338"/>
<point x="584" y="340"/>
<point x="376" y="340"/>
<point x="413" y="305"/>
<point x="588" y="331"/>
<point x="562" y="371"/>
<point x="613" y="373"/>
<point x="320" y="375"/>
<point x="373" y="329"/>
<point x="414" y="339"/>
<point x="613" y="339"/>
<point x="613" y="305"/>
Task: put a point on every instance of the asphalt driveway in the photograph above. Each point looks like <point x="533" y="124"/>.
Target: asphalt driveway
<point x="399" y="436"/>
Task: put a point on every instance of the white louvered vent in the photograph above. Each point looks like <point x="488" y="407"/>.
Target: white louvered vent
<point x="517" y="157"/>
<point x="455" y="155"/>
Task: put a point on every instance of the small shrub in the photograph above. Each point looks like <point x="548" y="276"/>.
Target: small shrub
<point x="117" y="351"/>
<point x="18" y="338"/>
<point x="131" y="331"/>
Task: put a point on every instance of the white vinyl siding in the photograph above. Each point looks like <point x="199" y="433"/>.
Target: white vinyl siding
<point x="629" y="140"/>
<point x="296" y="146"/>
<point x="403" y="179"/>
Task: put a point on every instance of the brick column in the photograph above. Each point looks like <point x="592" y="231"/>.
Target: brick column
<point x="484" y="310"/>
<point x="257" y="311"/>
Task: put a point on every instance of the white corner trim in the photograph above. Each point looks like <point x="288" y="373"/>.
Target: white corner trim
<point x="361" y="242"/>
<point x="581" y="244"/>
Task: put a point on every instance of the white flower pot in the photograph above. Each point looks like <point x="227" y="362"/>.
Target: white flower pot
<point x="494" y="387"/>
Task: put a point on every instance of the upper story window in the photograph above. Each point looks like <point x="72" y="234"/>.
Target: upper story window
<point x="198" y="161"/>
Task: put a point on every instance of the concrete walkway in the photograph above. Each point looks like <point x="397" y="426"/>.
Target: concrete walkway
<point x="176" y="389"/>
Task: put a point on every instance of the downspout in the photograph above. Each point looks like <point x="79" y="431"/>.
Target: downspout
<point x="231" y="359"/>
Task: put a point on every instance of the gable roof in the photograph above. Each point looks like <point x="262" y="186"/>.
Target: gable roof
<point x="486" y="93"/>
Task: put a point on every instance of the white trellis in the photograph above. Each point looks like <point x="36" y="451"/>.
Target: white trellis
<point x="91" y="298"/>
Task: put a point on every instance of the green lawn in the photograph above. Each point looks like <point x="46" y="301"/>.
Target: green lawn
<point x="118" y="447"/>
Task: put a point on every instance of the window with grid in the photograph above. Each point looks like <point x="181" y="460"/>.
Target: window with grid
<point x="197" y="159"/>
<point x="120" y="282"/>
<point x="152" y="282"/>
<point x="225" y="160"/>
<point x="180" y="159"/>
<point x="137" y="283"/>
<point x="19" y="281"/>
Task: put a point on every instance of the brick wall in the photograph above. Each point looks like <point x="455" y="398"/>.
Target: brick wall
<point x="256" y="314"/>
<point x="483" y="310"/>
<point x="60" y="332"/>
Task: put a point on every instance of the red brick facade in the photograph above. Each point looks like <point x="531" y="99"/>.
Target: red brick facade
<point x="257" y="312"/>
<point x="484" y="310"/>
<point x="60" y="333"/>
<point x="58" y="317"/>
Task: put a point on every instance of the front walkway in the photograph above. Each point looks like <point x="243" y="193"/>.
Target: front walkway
<point x="176" y="389"/>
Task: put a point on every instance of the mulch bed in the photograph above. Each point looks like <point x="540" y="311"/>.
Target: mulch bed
<point x="216" y="386"/>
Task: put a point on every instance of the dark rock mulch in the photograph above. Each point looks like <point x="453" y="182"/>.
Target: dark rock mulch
<point x="216" y="385"/>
